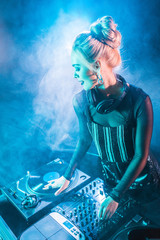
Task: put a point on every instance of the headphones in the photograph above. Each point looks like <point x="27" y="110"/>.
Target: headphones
<point x="106" y="104"/>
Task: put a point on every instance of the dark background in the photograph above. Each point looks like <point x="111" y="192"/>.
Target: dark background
<point x="36" y="77"/>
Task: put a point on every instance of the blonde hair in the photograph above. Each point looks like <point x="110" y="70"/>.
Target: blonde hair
<point x="103" y="40"/>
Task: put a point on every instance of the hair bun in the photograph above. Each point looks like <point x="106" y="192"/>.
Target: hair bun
<point x="104" y="30"/>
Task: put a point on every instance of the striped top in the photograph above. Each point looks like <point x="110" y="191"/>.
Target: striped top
<point x="113" y="143"/>
<point x="114" y="138"/>
<point x="114" y="134"/>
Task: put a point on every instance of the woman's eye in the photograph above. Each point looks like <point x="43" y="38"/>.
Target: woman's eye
<point x="77" y="69"/>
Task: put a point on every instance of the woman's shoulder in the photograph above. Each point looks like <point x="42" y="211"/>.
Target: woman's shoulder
<point x="140" y="100"/>
<point x="137" y="92"/>
<point x="80" y="101"/>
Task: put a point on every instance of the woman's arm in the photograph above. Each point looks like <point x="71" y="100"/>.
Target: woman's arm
<point x="142" y="143"/>
<point x="83" y="144"/>
<point x="84" y="141"/>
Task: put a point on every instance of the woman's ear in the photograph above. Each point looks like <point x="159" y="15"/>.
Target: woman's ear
<point x="97" y="65"/>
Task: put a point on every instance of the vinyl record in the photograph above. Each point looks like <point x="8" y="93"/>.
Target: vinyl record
<point x="39" y="178"/>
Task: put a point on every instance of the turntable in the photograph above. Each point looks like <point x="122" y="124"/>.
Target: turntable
<point x="28" y="195"/>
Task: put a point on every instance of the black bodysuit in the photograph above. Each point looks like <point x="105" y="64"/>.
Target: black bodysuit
<point x="122" y="138"/>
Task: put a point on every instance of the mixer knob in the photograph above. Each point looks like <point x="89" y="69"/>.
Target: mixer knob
<point x="94" y="214"/>
<point x="90" y="216"/>
<point x="92" y="225"/>
<point x="101" y="192"/>
<point x="79" y="208"/>
<point x="80" y="235"/>
<point x="90" y="186"/>
<point x="86" y="189"/>
<point x="88" y="229"/>
<point x="71" y="214"/>
<point x="81" y="215"/>
<point x="85" y="212"/>
<point x="75" y="211"/>
<point x="82" y="224"/>
<point x="93" y="191"/>
<point x="86" y="220"/>
<point x="83" y="204"/>
<point x="89" y="209"/>
<point x="89" y="201"/>
<point x="63" y="212"/>
<point x="94" y="205"/>
<point x="76" y="218"/>
<point x="83" y="191"/>
<point x="94" y="184"/>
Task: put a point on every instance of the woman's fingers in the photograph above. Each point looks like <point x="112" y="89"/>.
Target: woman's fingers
<point x="65" y="185"/>
<point x="59" y="191"/>
<point x="51" y="181"/>
<point x="60" y="183"/>
<point x="107" y="208"/>
<point x="46" y="187"/>
<point x="51" y="185"/>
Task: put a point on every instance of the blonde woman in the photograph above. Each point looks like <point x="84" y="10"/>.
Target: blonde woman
<point x="116" y="115"/>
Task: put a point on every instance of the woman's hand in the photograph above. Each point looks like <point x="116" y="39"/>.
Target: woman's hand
<point x="61" y="183"/>
<point x="107" y="208"/>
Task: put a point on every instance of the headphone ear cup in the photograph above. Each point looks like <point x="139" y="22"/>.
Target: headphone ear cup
<point x="102" y="105"/>
<point x="91" y="96"/>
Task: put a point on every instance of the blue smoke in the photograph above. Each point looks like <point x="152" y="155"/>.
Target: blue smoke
<point x="37" y="84"/>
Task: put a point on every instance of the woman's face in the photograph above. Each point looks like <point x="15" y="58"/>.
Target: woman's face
<point x="82" y="73"/>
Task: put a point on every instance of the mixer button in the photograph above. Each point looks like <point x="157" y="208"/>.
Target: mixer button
<point x="90" y="186"/>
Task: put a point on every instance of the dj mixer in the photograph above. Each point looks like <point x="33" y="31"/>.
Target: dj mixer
<point x="77" y="217"/>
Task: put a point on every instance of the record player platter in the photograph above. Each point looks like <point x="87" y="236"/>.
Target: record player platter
<point x="39" y="178"/>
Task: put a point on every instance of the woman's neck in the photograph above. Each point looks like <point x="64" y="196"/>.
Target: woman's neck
<point x="110" y="86"/>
